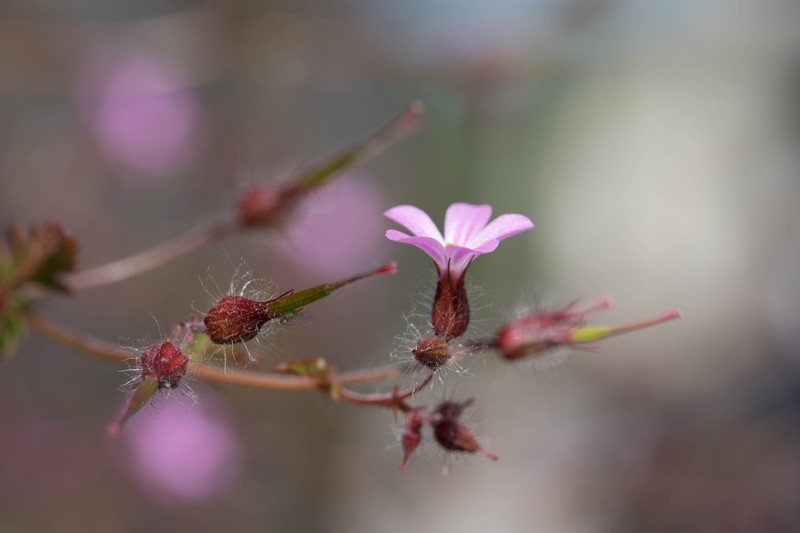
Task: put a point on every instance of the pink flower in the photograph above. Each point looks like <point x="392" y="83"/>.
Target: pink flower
<point x="467" y="234"/>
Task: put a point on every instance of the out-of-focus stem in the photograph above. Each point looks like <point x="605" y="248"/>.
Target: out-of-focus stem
<point x="109" y="352"/>
<point x="166" y="252"/>
<point x="77" y="341"/>
<point x="150" y="259"/>
<point x="362" y="152"/>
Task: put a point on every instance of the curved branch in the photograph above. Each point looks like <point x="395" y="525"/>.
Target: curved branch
<point x="245" y="378"/>
<point x="150" y="259"/>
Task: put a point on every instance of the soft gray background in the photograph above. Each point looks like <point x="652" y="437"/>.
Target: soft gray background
<point x="653" y="143"/>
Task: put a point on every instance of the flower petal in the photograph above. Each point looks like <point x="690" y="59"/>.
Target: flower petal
<point x="430" y="246"/>
<point x="459" y="259"/>
<point x="463" y="221"/>
<point x="415" y="220"/>
<point x="501" y="228"/>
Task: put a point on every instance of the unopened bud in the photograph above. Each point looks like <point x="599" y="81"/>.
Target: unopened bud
<point x="412" y="435"/>
<point x="238" y="319"/>
<point x="451" y="434"/>
<point x="537" y="333"/>
<point x="263" y="206"/>
<point x="166" y="363"/>
<point x="235" y="319"/>
<point x="163" y="366"/>
<point x="433" y="352"/>
<point x="450" y="313"/>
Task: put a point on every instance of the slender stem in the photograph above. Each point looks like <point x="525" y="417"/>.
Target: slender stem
<point x="150" y="259"/>
<point x="595" y="333"/>
<point x="109" y="352"/>
<point x="77" y="341"/>
<point x="168" y="251"/>
<point x="395" y="399"/>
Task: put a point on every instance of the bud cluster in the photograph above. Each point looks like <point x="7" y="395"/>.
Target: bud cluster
<point x="448" y="431"/>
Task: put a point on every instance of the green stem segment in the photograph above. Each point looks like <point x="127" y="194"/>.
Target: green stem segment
<point x="360" y="153"/>
<point x="144" y="391"/>
<point x="294" y="301"/>
<point x="596" y="333"/>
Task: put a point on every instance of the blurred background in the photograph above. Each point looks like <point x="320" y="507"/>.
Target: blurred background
<point x="654" y="144"/>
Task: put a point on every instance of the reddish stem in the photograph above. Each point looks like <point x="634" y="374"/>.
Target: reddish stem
<point x="109" y="352"/>
<point x="394" y="399"/>
<point x="150" y="259"/>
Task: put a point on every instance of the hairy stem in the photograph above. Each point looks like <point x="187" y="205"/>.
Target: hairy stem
<point x="109" y="352"/>
<point x="395" y="399"/>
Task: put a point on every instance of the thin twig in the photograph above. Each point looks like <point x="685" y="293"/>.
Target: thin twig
<point x="394" y="399"/>
<point x="166" y="252"/>
<point x="150" y="259"/>
<point x="110" y="352"/>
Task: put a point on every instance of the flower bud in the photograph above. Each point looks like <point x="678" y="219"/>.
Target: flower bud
<point x="238" y="319"/>
<point x="235" y="319"/>
<point x="412" y="435"/>
<point x="166" y="363"/>
<point x="263" y="206"/>
<point x="450" y="313"/>
<point x="433" y="352"/>
<point x="539" y="332"/>
<point x="451" y="434"/>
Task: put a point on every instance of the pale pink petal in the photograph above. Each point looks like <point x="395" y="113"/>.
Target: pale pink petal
<point x="430" y="246"/>
<point x="487" y="247"/>
<point x="501" y="228"/>
<point x="459" y="259"/>
<point x="463" y="221"/>
<point x="415" y="220"/>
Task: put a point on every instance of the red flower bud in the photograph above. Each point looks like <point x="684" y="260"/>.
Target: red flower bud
<point x="451" y="434"/>
<point x="165" y="363"/>
<point x="450" y="313"/>
<point x="236" y="319"/>
<point x="411" y="436"/>
<point x="536" y="333"/>
<point x="263" y="206"/>
<point x="433" y="352"/>
<point x="163" y="366"/>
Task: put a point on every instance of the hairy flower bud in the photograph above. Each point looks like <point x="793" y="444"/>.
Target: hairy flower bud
<point x="166" y="363"/>
<point x="412" y="435"/>
<point x="163" y="366"/>
<point x="236" y="319"/>
<point x="537" y="333"/>
<point x="451" y="434"/>
<point x="433" y="352"/>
